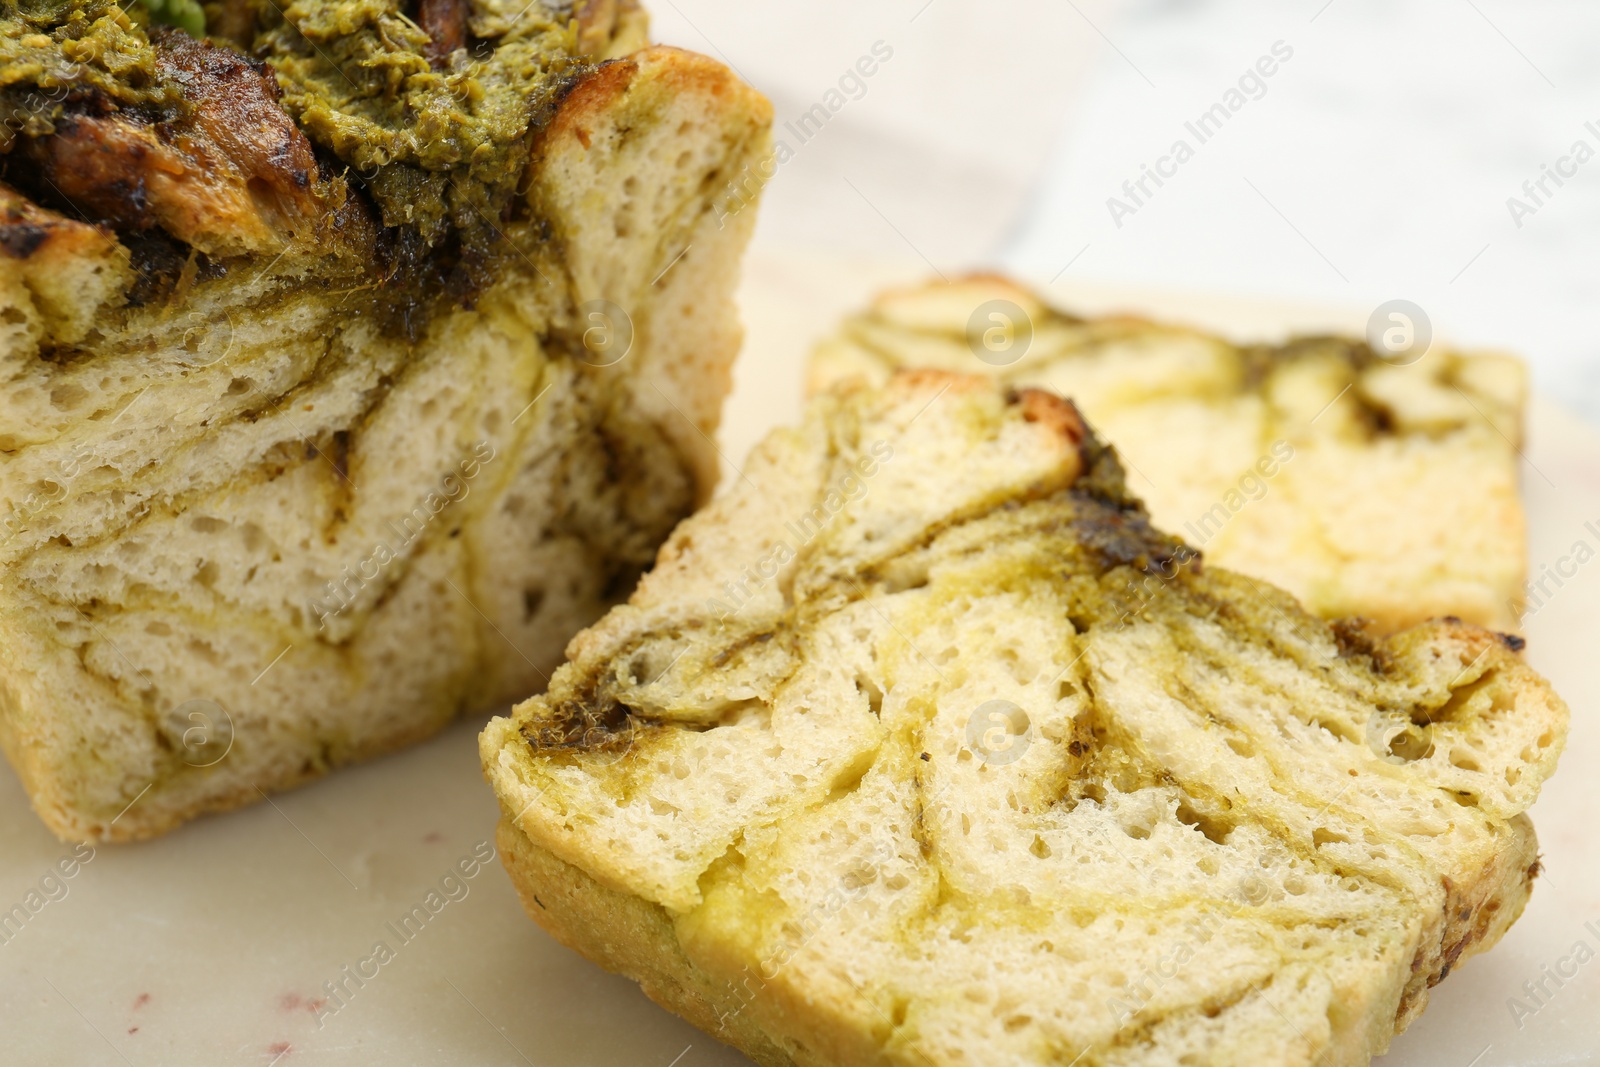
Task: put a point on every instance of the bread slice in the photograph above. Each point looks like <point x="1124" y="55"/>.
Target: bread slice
<point x="275" y="510"/>
<point x="921" y="745"/>
<point x="1364" y="486"/>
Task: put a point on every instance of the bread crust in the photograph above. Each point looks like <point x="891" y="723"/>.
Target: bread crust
<point x="627" y="936"/>
<point x="604" y="117"/>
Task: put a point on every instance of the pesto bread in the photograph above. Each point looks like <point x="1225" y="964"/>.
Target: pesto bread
<point x="922" y="746"/>
<point x="1364" y="486"/>
<point x="289" y="478"/>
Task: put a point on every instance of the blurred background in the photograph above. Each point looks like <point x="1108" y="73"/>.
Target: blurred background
<point x="1378" y="160"/>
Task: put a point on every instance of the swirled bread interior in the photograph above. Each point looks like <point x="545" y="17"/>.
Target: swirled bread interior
<point x="288" y="479"/>
<point x="1366" y="486"/>
<point x="923" y="746"/>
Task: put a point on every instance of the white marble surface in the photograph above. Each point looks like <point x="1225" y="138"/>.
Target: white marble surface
<point x="1391" y="141"/>
<point x="213" y="945"/>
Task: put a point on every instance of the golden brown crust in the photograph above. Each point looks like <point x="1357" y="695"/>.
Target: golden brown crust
<point x="28" y="230"/>
<point x="1477" y="914"/>
<point x="56" y="272"/>
<point x="589" y="101"/>
<point x="622" y="110"/>
<point x="1054" y="412"/>
<point x="667" y="71"/>
<point x="632" y="937"/>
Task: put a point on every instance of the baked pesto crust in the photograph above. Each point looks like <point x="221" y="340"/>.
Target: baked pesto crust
<point x="393" y="134"/>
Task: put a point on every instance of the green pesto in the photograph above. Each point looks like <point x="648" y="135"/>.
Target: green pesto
<point x="52" y="48"/>
<point x="439" y="150"/>
<point x="1090" y="548"/>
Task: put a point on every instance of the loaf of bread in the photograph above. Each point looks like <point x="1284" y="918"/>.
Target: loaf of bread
<point x="922" y="746"/>
<point x="1366" y="486"/>
<point x="333" y="410"/>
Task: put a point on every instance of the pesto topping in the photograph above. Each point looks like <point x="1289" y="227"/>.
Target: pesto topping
<point x="430" y="106"/>
<point x="439" y="149"/>
<point x="53" y="52"/>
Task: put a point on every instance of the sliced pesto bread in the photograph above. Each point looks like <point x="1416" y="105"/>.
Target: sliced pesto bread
<point x="304" y="449"/>
<point x="923" y="746"/>
<point x="1378" y="484"/>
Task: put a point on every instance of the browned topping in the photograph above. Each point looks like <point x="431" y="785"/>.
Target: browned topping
<point x="231" y="175"/>
<point x="916" y="379"/>
<point x="445" y="23"/>
<point x="25" y="227"/>
<point x="421" y="114"/>
<point x="20" y="240"/>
